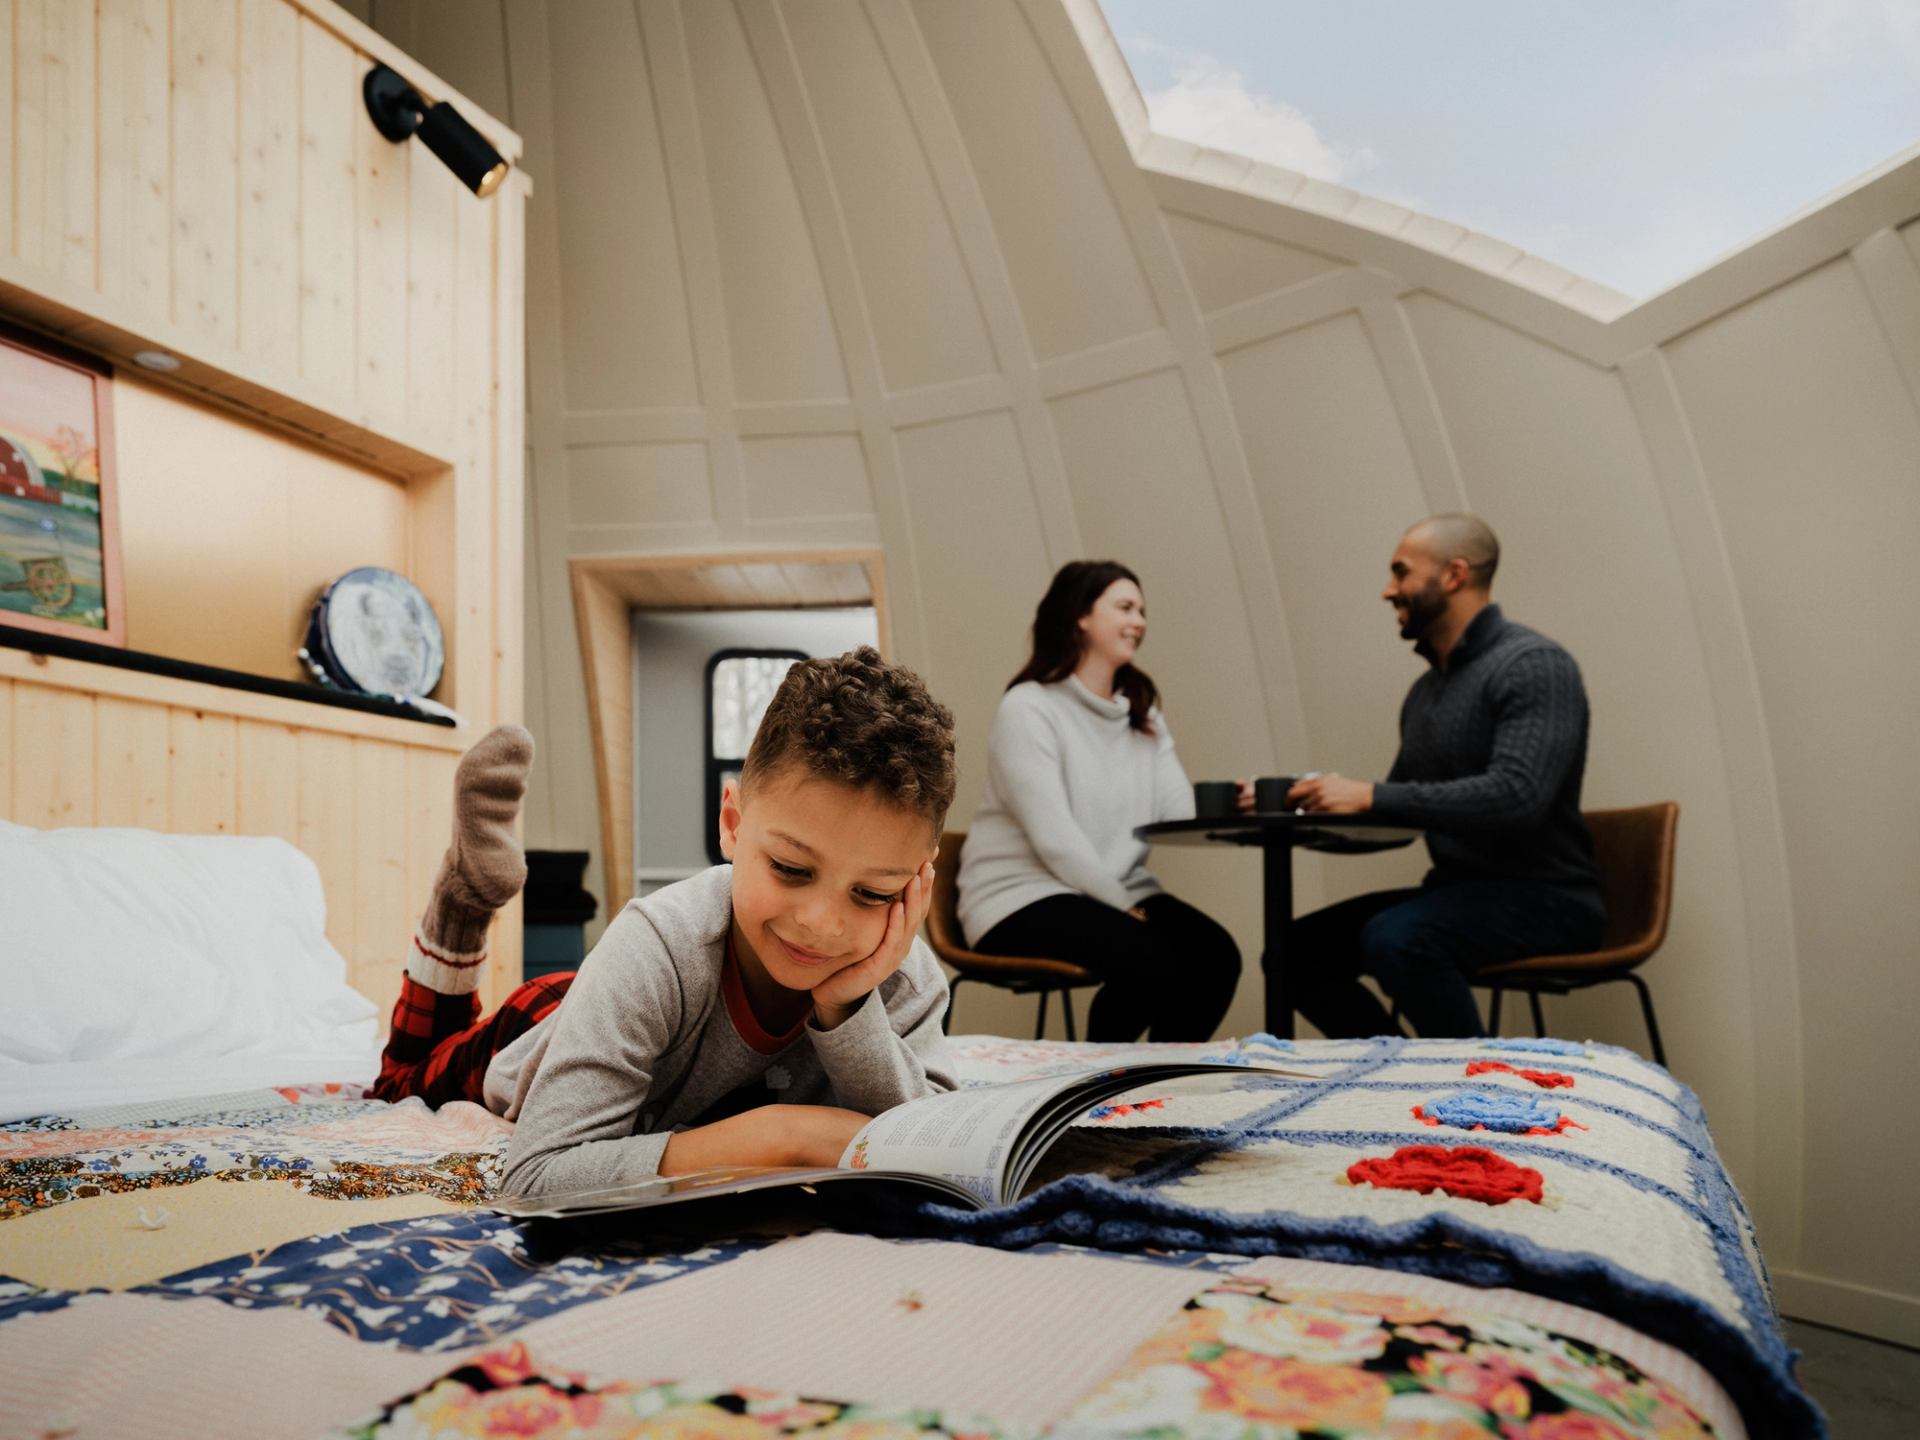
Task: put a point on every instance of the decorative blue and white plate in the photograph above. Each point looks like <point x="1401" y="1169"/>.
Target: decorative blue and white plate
<point x="373" y="631"/>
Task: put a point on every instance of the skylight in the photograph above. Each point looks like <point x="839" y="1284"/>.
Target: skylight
<point x="1630" y="141"/>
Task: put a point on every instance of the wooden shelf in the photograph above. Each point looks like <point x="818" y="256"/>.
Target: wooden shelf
<point x="159" y="679"/>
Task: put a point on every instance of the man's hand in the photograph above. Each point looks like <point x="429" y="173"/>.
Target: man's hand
<point x="1332" y="795"/>
<point x="811" y="1135"/>
<point x="1245" y="798"/>
<point x="841" y="993"/>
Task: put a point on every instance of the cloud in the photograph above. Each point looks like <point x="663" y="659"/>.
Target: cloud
<point x="1209" y="103"/>
<point x="1828" y="34"/>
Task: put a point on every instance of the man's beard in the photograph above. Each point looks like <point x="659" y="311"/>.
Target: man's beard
<point x="1423" y="608"/>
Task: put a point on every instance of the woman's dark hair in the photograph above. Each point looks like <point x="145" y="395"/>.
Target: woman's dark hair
<point x="1058" y="642"/>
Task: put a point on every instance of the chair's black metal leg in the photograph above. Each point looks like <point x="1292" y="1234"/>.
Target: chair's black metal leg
<point x="1646" y="1008"/>
<point x="1066" y="1006"/>
<point x="1539" y="1019"/>
<point x="1040" y="1025"/>
<point x="1493" y="1011"/>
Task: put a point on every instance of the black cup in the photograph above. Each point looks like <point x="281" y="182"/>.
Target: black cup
<point x="1215" y="799"/>
<point x="1270" y="793"/>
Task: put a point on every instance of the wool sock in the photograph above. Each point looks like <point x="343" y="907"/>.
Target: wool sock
<point x="484" y="867"/>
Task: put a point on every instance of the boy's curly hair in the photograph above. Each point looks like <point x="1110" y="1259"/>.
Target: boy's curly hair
<point x="858" y="720"/>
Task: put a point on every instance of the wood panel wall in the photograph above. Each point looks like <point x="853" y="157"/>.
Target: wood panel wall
<point x="370" y="810"/>
<point x="200" y="177"/>
<point x="207" y="171"/>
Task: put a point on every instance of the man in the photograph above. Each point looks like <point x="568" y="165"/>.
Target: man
<point x="1493" y="744"/>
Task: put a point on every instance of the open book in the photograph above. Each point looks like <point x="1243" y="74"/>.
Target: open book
<point x="975" y="1147"/>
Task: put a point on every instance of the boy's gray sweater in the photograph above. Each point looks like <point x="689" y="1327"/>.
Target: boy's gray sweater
<point x="643" y="1045"/>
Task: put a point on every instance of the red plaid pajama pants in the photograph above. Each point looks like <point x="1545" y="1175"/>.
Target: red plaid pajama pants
<point x="439" y="1048"/>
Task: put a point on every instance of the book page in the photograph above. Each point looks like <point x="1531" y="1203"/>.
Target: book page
<point x="988" y="1140"/>
<point x="964" y="1136"/>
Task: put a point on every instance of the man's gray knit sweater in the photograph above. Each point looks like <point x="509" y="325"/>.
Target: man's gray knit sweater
<point x="1493" y="747"/>
<point x="644" y="1044"/>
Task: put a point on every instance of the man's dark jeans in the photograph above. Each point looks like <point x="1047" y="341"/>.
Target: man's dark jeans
<point x="1421" y="946"/>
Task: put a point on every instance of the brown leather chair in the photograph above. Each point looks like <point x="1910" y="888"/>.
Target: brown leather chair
<point x="1022" y="974"/>
<point x="1634" y="851"/>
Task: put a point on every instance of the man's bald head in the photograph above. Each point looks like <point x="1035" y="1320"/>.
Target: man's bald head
<point x="1459" y="536"/>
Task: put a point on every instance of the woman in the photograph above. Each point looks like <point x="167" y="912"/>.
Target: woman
<point x="1078" y="757"/>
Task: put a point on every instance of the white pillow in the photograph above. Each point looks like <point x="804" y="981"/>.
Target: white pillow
<point x="133" y="946"/>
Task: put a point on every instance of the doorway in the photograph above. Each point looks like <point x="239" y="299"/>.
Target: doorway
<point x="702" y="680"/>
<point x="649" y="625"/>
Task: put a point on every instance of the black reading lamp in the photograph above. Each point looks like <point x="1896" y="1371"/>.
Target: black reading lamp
<point x="398" y="110"/>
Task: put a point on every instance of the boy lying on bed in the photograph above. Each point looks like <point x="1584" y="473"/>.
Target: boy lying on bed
<point x="756" y="1014"/>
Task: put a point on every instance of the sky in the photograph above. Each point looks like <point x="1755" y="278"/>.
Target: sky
<point x="1631" y="141"/>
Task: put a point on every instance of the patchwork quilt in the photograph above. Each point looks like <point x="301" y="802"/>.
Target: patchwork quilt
<point x="1578" y="1171"/>
<point x="1434" y="1238"/>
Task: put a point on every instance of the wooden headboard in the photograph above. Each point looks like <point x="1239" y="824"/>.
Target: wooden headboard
<point x="347" y="325"/>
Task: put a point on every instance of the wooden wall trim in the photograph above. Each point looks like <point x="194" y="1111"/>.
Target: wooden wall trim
<point x="607" y="662"/>
<point x="210" y="372"/>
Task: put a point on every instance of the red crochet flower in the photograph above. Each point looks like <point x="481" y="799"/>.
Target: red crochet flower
<point x="1545" y="1079"/>
<point x="1470" y="1172"/>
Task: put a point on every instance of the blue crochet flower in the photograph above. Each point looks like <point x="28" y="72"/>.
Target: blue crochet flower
<point x="1550" y="1047"/>
<point x="1515" y="1114"/>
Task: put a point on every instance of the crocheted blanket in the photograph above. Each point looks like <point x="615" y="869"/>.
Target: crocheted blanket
<point x="1576" y="1171"/>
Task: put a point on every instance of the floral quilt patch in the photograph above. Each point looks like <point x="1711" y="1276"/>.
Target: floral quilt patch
<point x="335" y="1146"/>
<point x="1249" y="1356"/>
<point x="507" y="1392"/>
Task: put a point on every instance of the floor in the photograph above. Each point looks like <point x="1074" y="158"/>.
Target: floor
<point x="1870" y="1390"/>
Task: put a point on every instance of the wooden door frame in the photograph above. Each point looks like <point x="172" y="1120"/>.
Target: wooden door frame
<point x="607" y="589"/>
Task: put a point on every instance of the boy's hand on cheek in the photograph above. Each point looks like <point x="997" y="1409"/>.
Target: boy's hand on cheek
<point x="841" y="993"/>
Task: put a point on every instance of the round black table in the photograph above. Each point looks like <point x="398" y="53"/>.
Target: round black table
<point x="1279" y="834"/>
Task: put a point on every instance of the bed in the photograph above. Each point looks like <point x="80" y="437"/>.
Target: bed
<point x="1433" y="1238"/>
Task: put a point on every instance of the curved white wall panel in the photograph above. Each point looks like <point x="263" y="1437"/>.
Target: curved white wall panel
<point x="1332" y="472"/>
<point x="977" y="549"/>
<point x="779" y="324"/>
<point x="1066" y="245"/>
<point x="916" y="273"/>
<point x="1228" y="266"/>
<point x="903" y="244"/>
<point x="629" y="339"/>
<point x="1810" y="451"/>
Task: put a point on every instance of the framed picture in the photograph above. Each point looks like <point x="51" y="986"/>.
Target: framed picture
<point x="59" y="527"/>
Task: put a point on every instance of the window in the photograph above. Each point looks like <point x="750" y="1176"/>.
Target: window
<point x="740" y="685"/>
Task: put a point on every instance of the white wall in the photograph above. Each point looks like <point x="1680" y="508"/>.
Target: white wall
<point x="915" y="273"/>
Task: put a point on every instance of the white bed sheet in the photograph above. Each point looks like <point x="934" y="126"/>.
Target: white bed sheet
<point x="63" y="1088"/>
